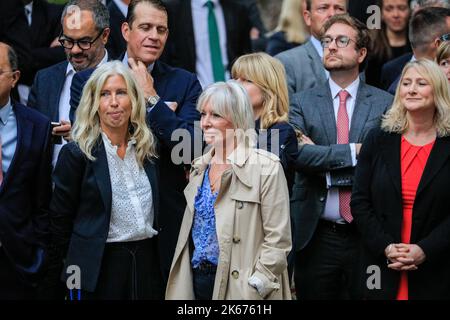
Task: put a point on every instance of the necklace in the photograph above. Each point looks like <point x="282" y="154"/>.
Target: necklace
<point x="214" y="182"/>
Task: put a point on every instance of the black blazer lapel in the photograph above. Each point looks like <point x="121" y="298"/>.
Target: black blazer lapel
<point x="150" y="170"/>
<point x="438" y="158"/>
<point x="101" y="172"/>
<point x="390" y="146"/>
<point x="57" y="84"/>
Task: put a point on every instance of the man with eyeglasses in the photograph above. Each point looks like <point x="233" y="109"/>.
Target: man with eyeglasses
<point x="25" y="187"/>
<point x="427" y="29"/>
<point x="303" y="64"/>
<point x="336" y="116"/>
<point x="85" y="31"/>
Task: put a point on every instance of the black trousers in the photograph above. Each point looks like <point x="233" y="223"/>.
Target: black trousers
<point x="11" y="286"/>
<point x="129" y="271"/>
<point x="327" y="268"/>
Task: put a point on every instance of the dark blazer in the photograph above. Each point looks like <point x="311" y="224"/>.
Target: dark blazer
<point x="171" y="84"/>
<point x="277" y="43"/>
<point x="180" y="48"/>
<point x="25" y="194"/>
<point x="391" y="71"/>
<point x="46" y="90"/>
<point x="312" y="112"/>
<point x="45" y="27"/>
<point x="80" y="209"/>
<point x="116" y="43"/>
<point x="377" y="209"/>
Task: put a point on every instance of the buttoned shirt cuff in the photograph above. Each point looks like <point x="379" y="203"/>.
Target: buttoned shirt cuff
<point x="353" y="153"/>
<point x="328" y="177"/>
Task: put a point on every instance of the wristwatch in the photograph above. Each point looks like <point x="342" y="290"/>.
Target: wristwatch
<point x="153" y="100"/>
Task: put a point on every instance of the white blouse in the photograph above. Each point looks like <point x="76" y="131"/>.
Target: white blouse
<point x="132" y="211"/>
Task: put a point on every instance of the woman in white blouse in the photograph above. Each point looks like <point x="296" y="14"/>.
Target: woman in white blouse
<point x="105" y="202"/>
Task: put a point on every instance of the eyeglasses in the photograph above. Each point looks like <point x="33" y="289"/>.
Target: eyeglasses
<point x="69" y="43"/>
<point x="341" y="41"/>
<point x="445" y="37"/>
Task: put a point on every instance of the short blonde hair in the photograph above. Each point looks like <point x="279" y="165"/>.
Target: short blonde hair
<point x="269" y="75"/>
<point x="443" y="52"/>
<point x="230" y="101"/>
<point x="87" y="130"/>
<point x="395" y="119"/>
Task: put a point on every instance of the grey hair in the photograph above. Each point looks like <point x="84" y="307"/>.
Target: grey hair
<point x="429" y="3"/>
<point x="99" y="11"/>
<point x="12" y="59"/>
<point x="230" y="101"/>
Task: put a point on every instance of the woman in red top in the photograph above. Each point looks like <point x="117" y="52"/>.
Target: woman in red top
<point x="401" y="194"/>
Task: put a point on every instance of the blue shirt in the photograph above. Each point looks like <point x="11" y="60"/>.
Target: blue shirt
<point x="204" y="226"/>
<point x="8" y="135"/>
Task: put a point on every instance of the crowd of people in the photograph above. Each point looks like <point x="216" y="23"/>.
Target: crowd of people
<point x="177" y="150"/>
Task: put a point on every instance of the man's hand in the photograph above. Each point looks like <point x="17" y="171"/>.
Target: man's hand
<point x="143" y="78"/>
<point x="358" y="148"/>
<point x="64" y="130"/>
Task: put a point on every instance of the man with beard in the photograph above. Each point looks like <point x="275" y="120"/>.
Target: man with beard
<point x="85" y="33"/>
<point x="336" y="116"/>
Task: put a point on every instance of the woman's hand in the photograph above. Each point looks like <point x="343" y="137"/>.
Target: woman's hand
<point x="404" y="257"/>
<point x="305" y="140"/>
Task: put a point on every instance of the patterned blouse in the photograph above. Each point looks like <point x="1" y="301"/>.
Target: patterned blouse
<point x="204" y="226"/>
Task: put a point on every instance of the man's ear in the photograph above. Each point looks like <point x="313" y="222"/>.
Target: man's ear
<point x="105" y="35"/>
<point x="307" y="17"/>
<point x="125" y="31"/>
<point x="16" y="77"/>
<point x="362" y="55"/>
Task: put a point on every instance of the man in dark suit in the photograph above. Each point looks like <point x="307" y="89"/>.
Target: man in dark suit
<point x="85" y="33"/>
<point x="336" y="116"/>
<point x="190" y="45"/>
<point x="426" y="26"/>
<point x="25" y="187"/>
<point x="171" y="95"/>
<point x="118" y="10"/>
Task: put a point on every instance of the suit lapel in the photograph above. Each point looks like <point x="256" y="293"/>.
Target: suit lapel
<point x="159" y="71"/>
<point x="391" y="154"/>
<point x="438" y="158"/>
<point x="150" y="170"/>
<point x="57" y="85"/>
<point x="360" y="113"/>
<point x="101" y="172"/>
<point x="326" y="111"/>
<point x="316" y="62"/>
<point x="24" y="139"/>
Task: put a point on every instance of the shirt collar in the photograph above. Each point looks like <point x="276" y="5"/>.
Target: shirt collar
<point x="70" y="68"/>
<point x="122" y="7"/>
<point x="125" y="62"/>
<point x="5" y="111"/>
<point x="202" y="3"/>
<point x="352" y="89"/>
<point x="29" y="7"/>
<point x="317" y="45"/>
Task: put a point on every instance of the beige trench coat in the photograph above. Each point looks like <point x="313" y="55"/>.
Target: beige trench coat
<point x="253" y="229"/>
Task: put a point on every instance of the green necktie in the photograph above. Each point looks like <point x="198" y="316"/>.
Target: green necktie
<point x="214" y="45"/>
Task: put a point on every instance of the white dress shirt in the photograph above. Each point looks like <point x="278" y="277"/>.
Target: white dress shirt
<point x="64" y="103"/>
<point x="318" y="46"/>
<point x="132" y="211"/>
<point x="203" y="64"/>
<point x="331" y="211"/>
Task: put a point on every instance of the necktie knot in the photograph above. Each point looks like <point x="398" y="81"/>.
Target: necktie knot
<point x="210" y="4"/>
<point x="343" y="95"/>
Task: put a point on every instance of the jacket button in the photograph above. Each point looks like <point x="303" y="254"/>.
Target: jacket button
<point x="236" y="239"/>
<point x="322" y="199"/>
<point x="235" y="274"/>
<point x="240" y="205"/>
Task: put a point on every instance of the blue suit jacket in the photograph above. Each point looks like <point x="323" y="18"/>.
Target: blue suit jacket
<point x="25" y="194"/>
<point x="391" y="71"/>
<point x="46" y="90"/>
<point x="171" y="84"/>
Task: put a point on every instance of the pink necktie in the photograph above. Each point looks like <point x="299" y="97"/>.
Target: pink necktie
<point x="1" y="169"/>
<point x="342" y="138"/>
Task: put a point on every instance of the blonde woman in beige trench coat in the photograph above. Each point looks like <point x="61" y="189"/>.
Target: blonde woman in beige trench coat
<point x="251" y="210"/>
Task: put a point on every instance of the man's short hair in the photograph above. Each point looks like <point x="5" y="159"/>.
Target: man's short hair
<point x="99" y="12"/>
<point x="157" y="4"/>
<point x="12" y="59"/>
<point x="309" y="3"/>
<point x="429" y="3"/>
<point x="426" y="25"/>
<point x="362" y="33"/>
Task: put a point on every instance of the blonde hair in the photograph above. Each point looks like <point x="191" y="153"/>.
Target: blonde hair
<point x="395" y="119"/>
<point x="87" y="130"/>
<point x="269" y="75"/>
<point x="443" y="52"/>
<point x="230" y="101"/>
<point x="291" y="21"/>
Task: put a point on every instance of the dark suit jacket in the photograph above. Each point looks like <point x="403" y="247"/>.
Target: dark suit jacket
<point x="80" y="209"/>
<point x="312" y="112"/>
<point x="392" y="70"/>
<point x="171" y="84"/>
<point x="180" y="48"/>
<point x="25" y="195"/>
<point x="46" y="90"/>
<point x="116" y="43"/>
<point x="377" y="209"/>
